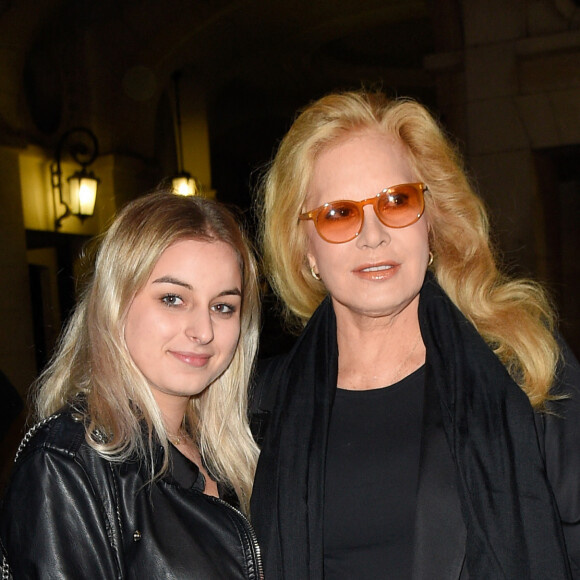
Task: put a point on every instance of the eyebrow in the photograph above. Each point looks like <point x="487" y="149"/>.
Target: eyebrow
<point x="172" y="280"/>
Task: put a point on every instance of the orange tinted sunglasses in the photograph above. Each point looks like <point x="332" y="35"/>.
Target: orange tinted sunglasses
<point x="341" y="221"/>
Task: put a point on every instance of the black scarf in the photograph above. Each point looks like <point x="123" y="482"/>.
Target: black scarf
<point x="513" y="528"/>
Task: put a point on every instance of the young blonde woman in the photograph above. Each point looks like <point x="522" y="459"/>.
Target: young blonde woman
<point x="426" y="423"/>
<point x="142" y="461"/>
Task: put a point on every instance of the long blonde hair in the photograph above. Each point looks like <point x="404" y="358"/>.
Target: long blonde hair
<point x="514" y="316"/>
<point x="92" y="358"/>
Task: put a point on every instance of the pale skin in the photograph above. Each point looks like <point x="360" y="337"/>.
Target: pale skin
<point x="379" y="340"/>
<point x="182" y="330"/>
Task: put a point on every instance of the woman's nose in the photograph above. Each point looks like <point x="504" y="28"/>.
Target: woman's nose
<point x="373" y="232"/>
<point x="200" y="327"/>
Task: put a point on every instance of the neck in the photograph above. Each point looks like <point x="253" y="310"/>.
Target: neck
<point x="376" y="352"/>
<point x="373" y="333"/>
<point x="173" y="410"/>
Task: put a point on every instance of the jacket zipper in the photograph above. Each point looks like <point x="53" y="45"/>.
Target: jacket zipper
<point x="256" y="552"/>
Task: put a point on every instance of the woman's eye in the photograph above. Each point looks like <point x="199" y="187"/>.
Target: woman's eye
<point x="397" y="199"/>
<point x="172" y="300"/>
<point x="223" y="308"/>
<point x="339" y="212"/>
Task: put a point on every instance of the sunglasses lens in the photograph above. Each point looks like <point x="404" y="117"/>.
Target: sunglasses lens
<point x="396" y="207"/>
<point x="339" y="221"/>
<point x="400" y="206"/>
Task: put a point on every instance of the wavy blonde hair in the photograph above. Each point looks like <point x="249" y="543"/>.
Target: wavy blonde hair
<point x="92" y="358"/>
<point x="514" y="316"/>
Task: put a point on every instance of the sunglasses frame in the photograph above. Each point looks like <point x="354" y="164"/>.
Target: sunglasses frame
<point x="315" y="213"/>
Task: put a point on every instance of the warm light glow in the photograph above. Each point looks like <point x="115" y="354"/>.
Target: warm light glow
<point x="79" y="197"/>
<point x="82" y="194"/>
<point x="87" y="196"/>
<point x="184" y="185"/>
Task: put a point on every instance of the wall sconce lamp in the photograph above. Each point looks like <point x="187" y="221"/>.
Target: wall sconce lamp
<point x="79" y="199"/>
<point x="183" y="183"/>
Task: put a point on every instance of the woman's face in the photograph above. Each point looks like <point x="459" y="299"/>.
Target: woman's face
<point x="183" y="326"/>
<point x="380" y="272"/>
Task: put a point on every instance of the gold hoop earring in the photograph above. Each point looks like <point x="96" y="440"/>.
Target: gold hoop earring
<point x="315" y="274"/>
<point x="431" y="257"/>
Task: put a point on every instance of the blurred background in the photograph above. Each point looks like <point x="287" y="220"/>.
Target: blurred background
<point x="134" y="92"/>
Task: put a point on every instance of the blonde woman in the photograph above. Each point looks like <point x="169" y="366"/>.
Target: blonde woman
<point x="142" y="461"/>
<point x="426" y="423"/>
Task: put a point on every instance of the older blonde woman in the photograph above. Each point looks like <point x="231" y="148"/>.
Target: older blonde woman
<point x="400" y="434"/>
<point x="142" y="455"/>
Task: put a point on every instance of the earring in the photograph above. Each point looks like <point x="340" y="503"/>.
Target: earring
<point x="315" y="274"/>
<point x="430" y="259"/>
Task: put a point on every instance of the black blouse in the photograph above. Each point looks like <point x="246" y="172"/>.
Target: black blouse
<point x="371" y="481"/>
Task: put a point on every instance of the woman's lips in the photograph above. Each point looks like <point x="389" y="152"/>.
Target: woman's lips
<point x="191" y="359"/>
<point x="376" y="271"/>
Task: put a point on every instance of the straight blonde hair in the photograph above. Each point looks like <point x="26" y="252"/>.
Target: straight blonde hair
<point x="92" y="357"/>
<point x="514" y="316"/>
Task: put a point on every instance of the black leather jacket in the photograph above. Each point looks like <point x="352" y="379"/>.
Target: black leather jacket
<point x="70" y="513"/>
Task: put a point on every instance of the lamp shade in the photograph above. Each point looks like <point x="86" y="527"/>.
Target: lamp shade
<point x="82" y="193"/>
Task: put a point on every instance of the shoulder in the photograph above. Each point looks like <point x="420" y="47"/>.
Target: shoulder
<point x="559" y="425"/>
<point x="568" y="374"/>
<point x="58" y="445"/>
<point x="55" y="469"/>
<point x="566" y="388"/>
<point x="52" y="462"/>
<point x="61" y="433"/>
<point x="58" y="510"/>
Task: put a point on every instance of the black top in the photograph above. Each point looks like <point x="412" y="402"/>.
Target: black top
<point x="477" y="427"/>
<point x="371" y="481"/>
